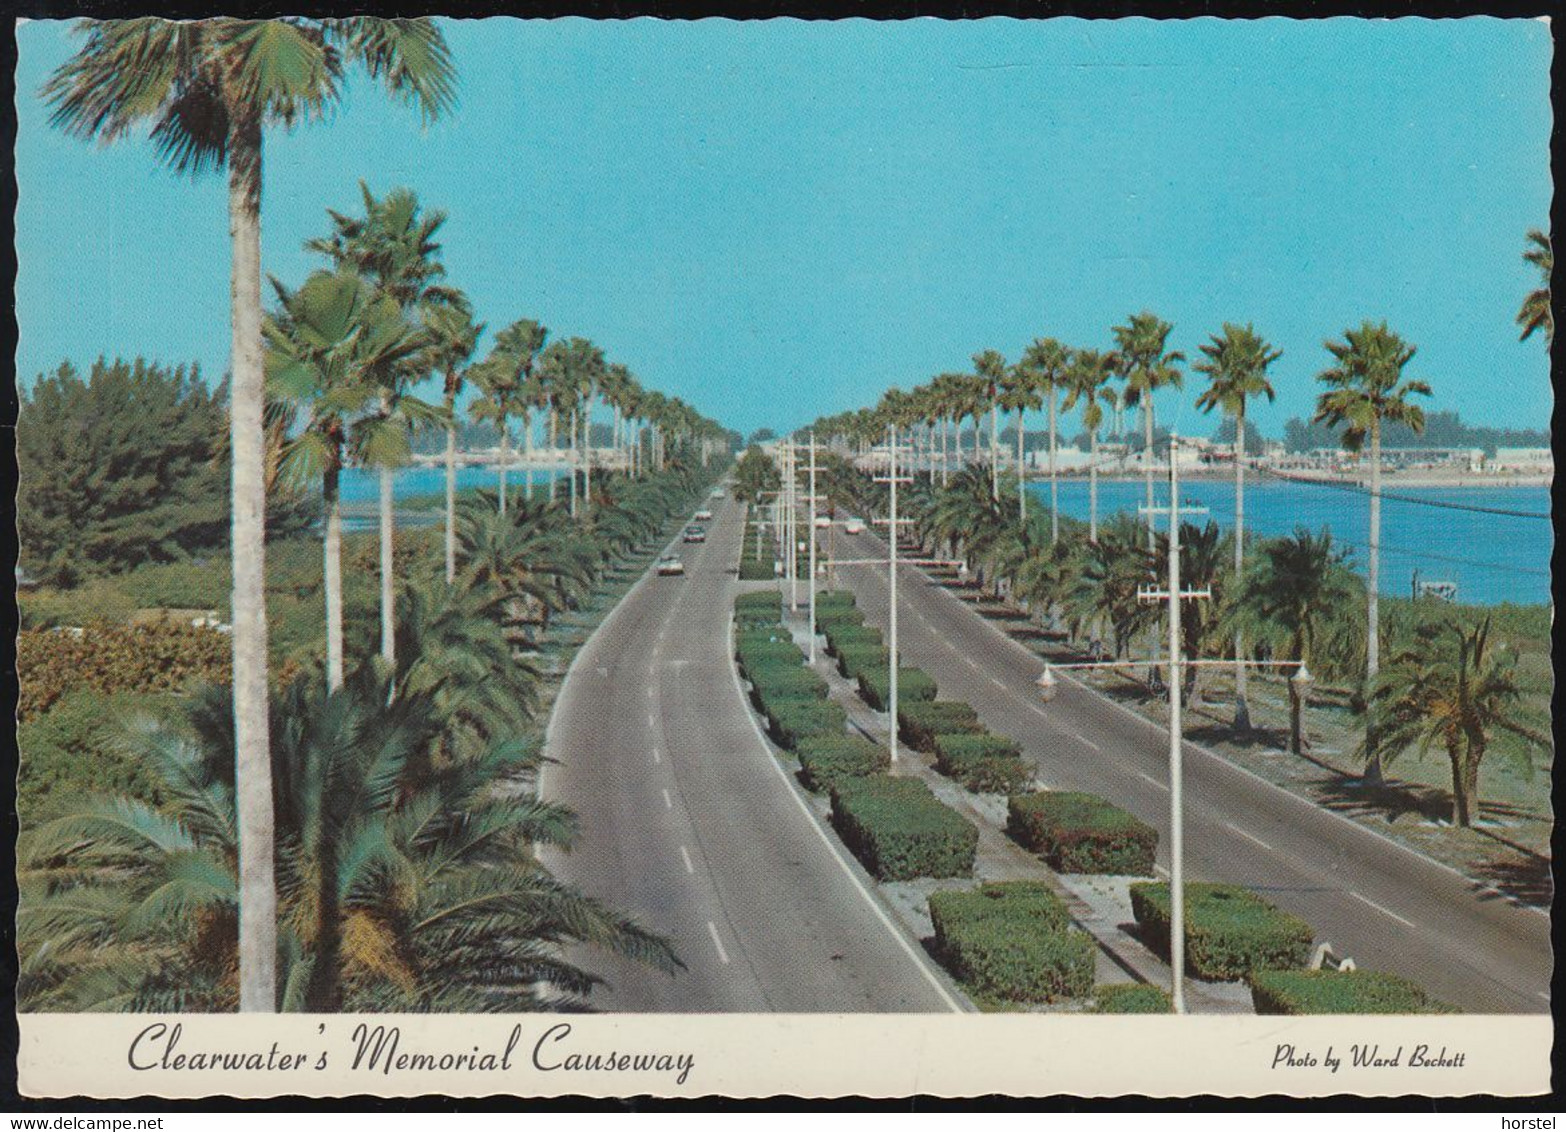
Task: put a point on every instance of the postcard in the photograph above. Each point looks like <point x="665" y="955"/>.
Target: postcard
<point x="607" y="558"/>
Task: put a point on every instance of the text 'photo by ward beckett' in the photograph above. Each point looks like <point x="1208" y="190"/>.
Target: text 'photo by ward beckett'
<point x="581" y="558"/>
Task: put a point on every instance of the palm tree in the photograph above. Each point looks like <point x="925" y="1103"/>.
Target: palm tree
<point x="506" y="377"/>
<point x="1047" y="360"/>
<point x="1365" y="389"/>
<point x="1236" y="368"/>
<point x="208" y="89"/>
<point x="989" y="366"/>
<point x="1141" y="360"/>
<point x="1450" y="687"/>
<point x="1021" y="389"/>
<point x="1291" y="588"/>
<point x="453" y="338"/>
<point x="1536" y="313"/>
<point x="1086" y="377"/>
<point x="330" y="347"/>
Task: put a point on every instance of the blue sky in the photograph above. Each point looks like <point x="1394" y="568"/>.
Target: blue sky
<point x="779" y="219"/>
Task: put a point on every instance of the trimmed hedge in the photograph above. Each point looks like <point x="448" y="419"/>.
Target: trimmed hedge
<point x="920" y="722"/>
<point x="838" y="617"/>
<point x="778" y="683"/>
<point x="1082" y="833"/>
<point x="767" y="654"/>
<point x="983" y="763"/>
<point x="1340" y="992"/>
<point x="868" y="657"/>
<point x="842" y="636"/>
<point x="1229" y="930"/>
<point x="1012" y="941"/>
<point x="767" y="600"/>
<point x="1130" y="998"/>
<point x="791" y="720"/>
<point x="913" y="686"/>
<point x="833" y="599"/>
<point x="755" y="570"/>
<point x="826" y="758"/>
<point x="899" y="830"/>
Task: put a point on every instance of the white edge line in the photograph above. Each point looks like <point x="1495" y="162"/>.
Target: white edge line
<point x="686" y="857"/>
<point x="668" y="802"/>
<point x="1151" y="781"/>
<point x="657" y="758"/>
<point x="815" y="824"/>
<point x="1249" y="836"/>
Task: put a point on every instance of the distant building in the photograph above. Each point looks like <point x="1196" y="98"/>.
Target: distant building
<point x="1523" y="460"/>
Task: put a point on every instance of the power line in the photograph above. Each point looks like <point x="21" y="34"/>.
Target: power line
<point x="1356" y="489"/>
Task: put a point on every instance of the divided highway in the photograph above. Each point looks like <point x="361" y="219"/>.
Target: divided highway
<point x="1388" y="907"/>
<point x="690" y="825"/>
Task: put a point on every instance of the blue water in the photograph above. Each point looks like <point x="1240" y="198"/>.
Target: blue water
<point x="359" y="485"/>
<point x="1492" y="558"/>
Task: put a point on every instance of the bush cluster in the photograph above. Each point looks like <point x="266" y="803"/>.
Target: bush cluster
<point x="1229" y="930"/>
<point x="868" y="656"/>
<point x="1082" y="833"/>
<point x="789" y="721"/>
<point x="899" y="830"/>
<point x="983" y="763"/>
<point x="920" y="722"/>
<point x="849" y="635"/>
<point x="757" y="610"/>
<point x="757" y="561"/>
<point x="157" y="657"/>
<point x="826" y="758"/>
<point x="1130" y="998"/>
<point x="1340" y="992"/>
<point x="913" y="686"/>
<point x="1012" y="941"/>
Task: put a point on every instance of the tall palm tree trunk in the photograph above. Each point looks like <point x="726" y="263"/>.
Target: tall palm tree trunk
<point x="995" y="450"/>
<point x="587" y="453"/>
<point x="571" y="432"/>
<point x="527" y="451"/>
<point x="1372" y="615"/>
<point x="505" y="459"/>
<point x="332" y="575"/>
<point x="1054" y="484"/>
<point x="554" y="451"/>
<point x="247" y="447"/>
<point x="1242" y="710"/>
<point x="1092" y="485"/>
<point x="388" y="612"/>
<point x="1022" y="482"/>
<point x="451" y="504"/>
<point x="1156" y="649"/>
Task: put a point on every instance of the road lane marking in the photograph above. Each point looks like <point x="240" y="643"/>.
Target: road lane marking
<point x="686" y="857"/>
<point x="1088" y="743"/>
<point x="657" y="758"/>
<point x="1542" y="994"/>
<point x="898" y="936"/>
<point x="668" y="802"/>
<point x="1150" y="780"/>
<point x="652" y="720"/>
<point x="1379" y="908"/>
<point x="996" y="680"/>
<point x="1249" y="837"/>
<point x="1161" y="871"/>
<point x="712" y="930"/>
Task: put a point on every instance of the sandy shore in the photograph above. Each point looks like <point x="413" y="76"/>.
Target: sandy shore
<point x="1389" y="480"/>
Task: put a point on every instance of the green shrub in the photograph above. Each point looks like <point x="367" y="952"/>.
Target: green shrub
<point x="913" y="686"/>
<point x="833" y="599"/>
<point x="1012" y="941"/>
<point x="826" y="758"/>
<point x="1229" y="930"/>
<point x="73" y="750"/>
<point x="838" y="617"/>
<point x="1340" y="992"/>
<point x="159" y="657"/>
<point x="898" y="828"/>
<point x="920" y="722"/>
<point x="862" y="658"/>
<point x="760" y="601"/>
<point x="757" y="570"/>
<point x="1026" y="902"/>
<point x="774" y="682"/>
<point x="790" y="720"/>
<point x="983" y="763"/>
<point x="841" y="637"/>
<point x="1130" y="998"/>
<point x="1082" y="833"/>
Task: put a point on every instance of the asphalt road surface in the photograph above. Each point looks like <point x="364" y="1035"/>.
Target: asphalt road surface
<point x="1386" y="906"/>
<point x="690" y="824"/>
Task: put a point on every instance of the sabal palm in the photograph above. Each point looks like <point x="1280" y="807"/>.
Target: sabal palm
<point x="331" y="345"/>
<point x="989" y="366"/>
<point x="506" y="379"/>
<point x="1147" y="368"/>
<point x="1455" y="689"/>
<point x="1236" y="364"/>
<point x="1536" y="313"/>
<point x="1114" y="569"/>
<point x="1046" y="360"/>
<point x="1021" y="389"/>
<point x="453" y="338"/>
<point x="1087" y="378"/>
<point x="1366" y="389"/>
<point x="1286" y="596"/>
<point x="207" y="90"/>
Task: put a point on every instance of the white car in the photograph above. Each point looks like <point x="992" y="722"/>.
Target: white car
<point x="854" y="527"/>
<point x="703" y="516"/>
<point x="669" y="566"/>
<point x="823" y="523"/>
<point x="717" y="493"/>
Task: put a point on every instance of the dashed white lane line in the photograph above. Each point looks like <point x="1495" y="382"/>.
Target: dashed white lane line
<point x="1379" y="908"/>
<point x="1543" y="994"/>
<point x="1088" y="743"/>
<point x="996" y="680"/>
<point x="686" y="857"/>
<point x="649" y="691"/>
<point x="657" y="758"/>
<point x="1151" y="781"/>
<point x="712" y="930"/>
<point x="1248" y="836"/>
<point x="652" y="720"/>
<point x="668" y="802"/>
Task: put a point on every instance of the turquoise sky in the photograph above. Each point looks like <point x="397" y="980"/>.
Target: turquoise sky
<point x="779" y="219"/>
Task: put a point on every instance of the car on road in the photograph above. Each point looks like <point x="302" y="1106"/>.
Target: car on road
<point x="703" y="516"/>
<point x="695" y="534"/>
<point x="823" y="523"/>
<point x="854" y="527"/>
<point x="717" y="493"/>
<point x="670" y="566"/>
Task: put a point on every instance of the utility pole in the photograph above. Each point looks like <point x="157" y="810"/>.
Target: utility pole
<point x="892" y="524"/>
<point x="791" y="526"/>
<point x="812" y="537"/>
<point x="1174" y="595"/>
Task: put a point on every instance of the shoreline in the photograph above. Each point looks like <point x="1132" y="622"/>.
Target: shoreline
<point x="1389" y="481"/>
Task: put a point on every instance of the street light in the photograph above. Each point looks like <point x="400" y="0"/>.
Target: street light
<point x="1048" y="684"/>
<point x="1302" y="680"/>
